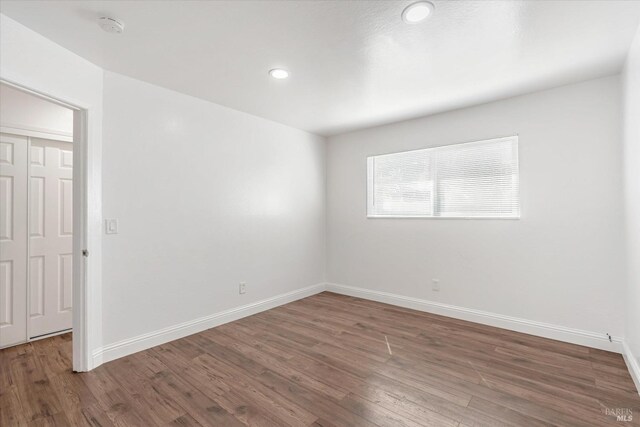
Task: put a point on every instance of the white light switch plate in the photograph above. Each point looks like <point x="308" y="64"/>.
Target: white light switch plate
<point x="111" y="226"/>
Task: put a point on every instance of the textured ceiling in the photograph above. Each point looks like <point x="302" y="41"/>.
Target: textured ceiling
<point x="353" y="64"/>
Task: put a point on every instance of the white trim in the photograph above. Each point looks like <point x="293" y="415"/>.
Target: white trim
<point x="81" y="216"/>
<point x="632" y="364"/>
<point x="541" y="329"/>
<point x="14" y="344"/>
<point x="28" y="276"/>
<point x="151" y="339"/>
<point x="36" y="132"/>
<point x="14" y="84"/>
<point x="546" y="330"/>
<point x="52" y="334"/>
<point x="83" y="306"/>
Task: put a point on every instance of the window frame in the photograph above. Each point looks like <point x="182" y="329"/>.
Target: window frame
<point x="369" y="193"/>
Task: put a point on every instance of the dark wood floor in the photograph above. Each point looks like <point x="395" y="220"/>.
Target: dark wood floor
<point x="324" y="361"/>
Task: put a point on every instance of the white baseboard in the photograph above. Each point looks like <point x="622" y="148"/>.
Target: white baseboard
<point x="546" y="330"/>
<point x="632" y="364"/>
<point x="142" y="342"/>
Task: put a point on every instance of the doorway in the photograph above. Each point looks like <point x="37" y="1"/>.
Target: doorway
<point x="36" y="217"/>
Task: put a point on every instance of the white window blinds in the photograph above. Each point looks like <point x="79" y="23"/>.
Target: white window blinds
<point x="472" y="180"/>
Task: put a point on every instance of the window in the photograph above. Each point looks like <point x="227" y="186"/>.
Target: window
<point x="472" y="180"/>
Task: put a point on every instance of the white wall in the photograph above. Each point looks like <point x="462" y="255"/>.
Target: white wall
<point x="206" y="197"/>
<point x="23" y="111"/>
<point x="561" y="263"/>
<point x="35" y="62"/>
<point x="631" y="86"/>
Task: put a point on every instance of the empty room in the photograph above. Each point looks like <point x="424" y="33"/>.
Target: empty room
<point x="320" y="213"/>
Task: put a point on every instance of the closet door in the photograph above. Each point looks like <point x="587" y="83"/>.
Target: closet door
<point x="50" y="228"/>
<point x="13" y="239"/>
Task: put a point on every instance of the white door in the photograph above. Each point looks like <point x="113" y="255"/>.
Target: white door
<point x="13" y="239"/>
<point x="50" y="230"/>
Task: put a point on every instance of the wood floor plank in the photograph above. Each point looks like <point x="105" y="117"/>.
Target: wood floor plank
<point x="201" y="407"/>
<point x="325" y="361"/>
<point x="34" y="389"/>
<point x="7" y="361"/>
<point x="513" y="417"/>
<point x="235" y="378"/>
<point x="376" y="413"/>
<point x="185" y="421"/>
<point x="249" y="411"/>
<point x="155" y="406"/>
<point x="56" y="420"/>
<point x="282" y="367"/>
<point x="327" y="408"/>
<point x="11" y="412"/>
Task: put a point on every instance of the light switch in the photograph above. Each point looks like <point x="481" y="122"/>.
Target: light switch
<point x="111" y="226"/>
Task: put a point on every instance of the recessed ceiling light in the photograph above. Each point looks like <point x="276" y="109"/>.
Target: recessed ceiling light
<point x="279" y="73"/>
<point x="417" y="12"/>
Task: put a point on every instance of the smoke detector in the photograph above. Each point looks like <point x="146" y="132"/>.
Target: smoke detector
<point x="111" y="25"/>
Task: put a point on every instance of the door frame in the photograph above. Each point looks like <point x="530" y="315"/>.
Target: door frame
<point x="82" y="357"/>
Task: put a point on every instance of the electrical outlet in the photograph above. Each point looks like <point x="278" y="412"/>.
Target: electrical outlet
<point x="242" y="288"/>
<point x="435" y="285"/>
